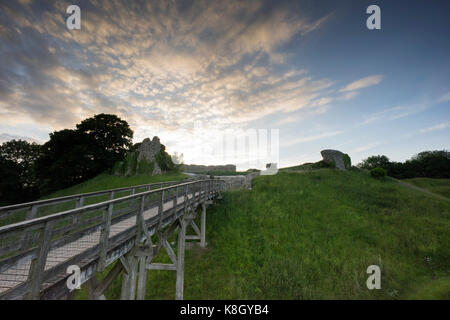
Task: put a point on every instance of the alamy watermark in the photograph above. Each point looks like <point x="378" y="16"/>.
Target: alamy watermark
<point x="74" y="280"/>
<point x="374" y="20"/>
<point x="248" y="148"/>
<point x="374" y="280"/>
<point x="74" y="20"/>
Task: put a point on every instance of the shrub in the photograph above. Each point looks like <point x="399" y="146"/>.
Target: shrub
<point x="378" y="173"/>
<point x="323" y="164"/>
<point x="347" y="161"/>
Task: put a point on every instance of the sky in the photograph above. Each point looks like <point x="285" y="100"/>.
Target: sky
<point x="309" y="74"/>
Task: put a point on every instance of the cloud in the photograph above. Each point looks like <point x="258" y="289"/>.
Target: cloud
<point x="444" y="98"/>
<point x="4" y="137"/>
<point x="362" y="83"/>
<point x="395" y="113"/>
<point x="311" y="138"/>
<point x="349" y="95"/>
<point x="440" y="126"/>
<point x="159" y="65"/>
<point x="366" y="147"/>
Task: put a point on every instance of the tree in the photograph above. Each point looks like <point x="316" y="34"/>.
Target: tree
<point x="431" y="164"/>
<point x="67" y="158"/>
<point x="111" y="135"/>
<point x="17" y="172"/>
<point x="164" y="160"/>
<point x="374" y="162"/>
<point x="73" y="156"/>
<point x="177" y="158"/>
<point x="10" y="184"/>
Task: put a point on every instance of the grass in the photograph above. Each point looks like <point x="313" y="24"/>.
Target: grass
<point x="228" y="173"/>
<point x="105" y="181"/>
<point x="312" y="236"/>
<point x="439" y="186"/>
<point x="101" y="182"/>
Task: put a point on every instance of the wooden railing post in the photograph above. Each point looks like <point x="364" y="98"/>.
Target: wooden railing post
<point x="161" y="209"/>
<point x="31" y="214"/>
<point x="175" y="203"/>
<point x="79" y="203"/>
<point x="186" y="198"/>
<point x="37" y="267"/>
<point x="203" y="226"/>
<point x="180" y="259"/>
<point x="104" y="236"/>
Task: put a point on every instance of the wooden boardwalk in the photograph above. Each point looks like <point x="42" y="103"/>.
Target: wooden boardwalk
<point x="19" y="272"/>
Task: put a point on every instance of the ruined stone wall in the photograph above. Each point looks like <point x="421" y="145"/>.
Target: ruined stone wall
<point x="194" y="168"/>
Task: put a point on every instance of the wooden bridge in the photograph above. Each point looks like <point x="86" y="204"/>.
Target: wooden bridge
<point x="40" y="240"/>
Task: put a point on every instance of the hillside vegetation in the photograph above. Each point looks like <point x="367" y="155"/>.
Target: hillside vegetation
<point x="312" y="236"/>
<point x="439" y="186"/>
<point x="106" y="181"/>
<point x="101" y="182"/>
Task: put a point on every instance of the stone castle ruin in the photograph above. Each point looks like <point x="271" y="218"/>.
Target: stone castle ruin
<point x="144" y="160"/>
<point x="337" y="159"/>
<point x="194" y="168"/>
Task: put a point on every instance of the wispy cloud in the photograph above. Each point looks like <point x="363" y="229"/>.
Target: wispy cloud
<point x="7" y="137"/>
<point x="440" y="126"/>
<point x="366" y="147"/>
<point x="444" y="98"/>
<point x="363" y="83"/>
<point x="395" y="113"/>
<point x="158" y="64"/>
<point x="311" y="138"/>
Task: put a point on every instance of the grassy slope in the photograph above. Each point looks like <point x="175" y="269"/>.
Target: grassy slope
<point x="100" y="182"/>
<point x="439" y="186"/>
<point x="312" y="236"/>
<point x="105" y="181"/>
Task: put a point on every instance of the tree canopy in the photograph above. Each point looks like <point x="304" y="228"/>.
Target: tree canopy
<point x="426" y="164"/>
<point x="18" y="182"/>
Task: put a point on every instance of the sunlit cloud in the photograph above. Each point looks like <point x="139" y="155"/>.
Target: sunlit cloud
<point x="444" y="98"/>
<point x="310" y="138"/>
<point x="395" y="113"/>
<point x="363" y="83"/>
<point x="440" y="126"/>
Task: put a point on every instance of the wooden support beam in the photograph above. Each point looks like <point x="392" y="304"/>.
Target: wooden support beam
<point x="133" y="277"/>
<point x="37" y="267"/>
<point x="161" y="266"/>
<point x="100" y="289"/>
<point x="195" y="227"/>
<point x="180" y="260"/>
<point x="203" y="226"/>
<point x="142" y="278"/>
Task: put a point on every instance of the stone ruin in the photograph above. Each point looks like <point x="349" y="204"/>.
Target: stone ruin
<point x="141" y="160"/>
<point x="340" y="160"/>
<point x="148" y="151"/>
<point x="195" y="168"/>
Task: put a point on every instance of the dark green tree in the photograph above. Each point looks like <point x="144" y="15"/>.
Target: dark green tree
<point x="73" y="156"/>
<point x="111" y="135"/>
<point x="374" y="162"/>
<point x="164" y="160"/>
<point x="17" y="172"/>
<point x="69" y="157"/>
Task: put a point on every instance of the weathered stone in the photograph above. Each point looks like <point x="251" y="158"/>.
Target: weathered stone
<point x="337" y="158"/>
<point x="194" y="168"/>
<point x="148" y="149"/>
<point x="156" y="170"/>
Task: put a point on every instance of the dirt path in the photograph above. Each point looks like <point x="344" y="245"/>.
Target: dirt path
<point x="411" y="186"/>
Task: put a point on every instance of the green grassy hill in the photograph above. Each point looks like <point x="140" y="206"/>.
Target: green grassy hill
<point x="105" y="181"/>
<point x="101" y="182"/>
<point x="439" y="186"/>
<point x="312" y="236"/>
